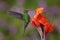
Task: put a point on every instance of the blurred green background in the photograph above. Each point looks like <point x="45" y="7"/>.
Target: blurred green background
<point x="12" y="28"/>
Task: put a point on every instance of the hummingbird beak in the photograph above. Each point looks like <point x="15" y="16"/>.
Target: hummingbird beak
<point x="26" y="26"/>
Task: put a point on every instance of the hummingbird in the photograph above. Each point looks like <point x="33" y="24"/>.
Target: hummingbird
<point x="25" y="17"/>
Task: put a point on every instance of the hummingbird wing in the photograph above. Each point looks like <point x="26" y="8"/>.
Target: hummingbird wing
<point x="15" y="14"/>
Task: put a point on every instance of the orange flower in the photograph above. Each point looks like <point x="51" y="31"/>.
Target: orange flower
<point x="38" y="19"/>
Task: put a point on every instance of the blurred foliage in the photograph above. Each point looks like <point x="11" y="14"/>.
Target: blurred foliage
<point x="31" y="4"/>
<point x="51" y="3"/>
<point x="10" y="2"/>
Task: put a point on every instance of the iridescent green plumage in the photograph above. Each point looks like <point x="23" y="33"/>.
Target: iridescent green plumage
<point x="26" y="19"/>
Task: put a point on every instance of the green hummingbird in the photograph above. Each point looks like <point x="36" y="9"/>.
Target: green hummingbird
<point x="25" y="17"/>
